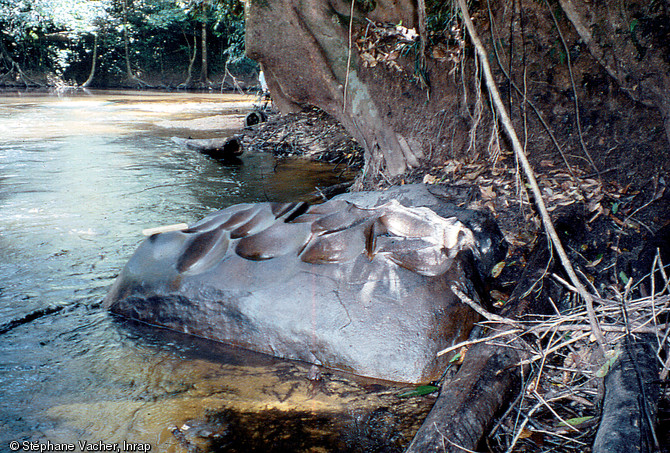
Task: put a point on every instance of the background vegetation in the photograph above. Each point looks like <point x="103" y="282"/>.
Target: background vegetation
<point x="120" y="42"/>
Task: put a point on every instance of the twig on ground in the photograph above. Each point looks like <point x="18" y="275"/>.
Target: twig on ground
<point x="569" y="358"/>
<point x="642" y="316"/>
<point x="551" y="409"/>
<point x="479" y="340"/>
<point x="537" y="357"/>
<point x="478" y="308"/>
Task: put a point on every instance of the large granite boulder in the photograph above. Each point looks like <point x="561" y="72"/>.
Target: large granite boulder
<point x="360" y="283"/>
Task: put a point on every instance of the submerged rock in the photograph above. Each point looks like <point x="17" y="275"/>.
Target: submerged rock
<point x="225" y="149"/>
<point x="360" y="283"/>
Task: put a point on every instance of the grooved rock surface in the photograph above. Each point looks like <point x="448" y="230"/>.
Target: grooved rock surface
<point x="360" y="285"/>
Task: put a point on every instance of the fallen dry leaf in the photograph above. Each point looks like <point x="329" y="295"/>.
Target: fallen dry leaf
<point x="525" y="433"/>
<point x="487" y="192"/>
<point x="497" y="269"/>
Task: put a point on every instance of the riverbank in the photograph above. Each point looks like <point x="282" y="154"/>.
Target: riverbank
<point x="615" y="235"/>
<point x="239" y="81"/>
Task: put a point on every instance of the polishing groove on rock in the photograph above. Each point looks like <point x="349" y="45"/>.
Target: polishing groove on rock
<point x="358" y="285"/>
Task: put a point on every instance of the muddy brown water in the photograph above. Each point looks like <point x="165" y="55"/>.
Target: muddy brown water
<point x="81" y="174"/>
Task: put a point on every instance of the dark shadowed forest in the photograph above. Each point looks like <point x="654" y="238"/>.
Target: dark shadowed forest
<point x="122" y="43"/>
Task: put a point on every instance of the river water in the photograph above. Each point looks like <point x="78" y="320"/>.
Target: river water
<point x="80" y="176"/>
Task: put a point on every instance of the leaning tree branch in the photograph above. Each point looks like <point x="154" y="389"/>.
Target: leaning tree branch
<point x="518" y="150"/>
<point x="94" y="62"/>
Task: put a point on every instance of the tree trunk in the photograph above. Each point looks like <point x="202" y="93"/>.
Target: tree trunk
<point x="467" y="404"/>
<point x="304" y="48"/>
<point x="314" y="51"/>
<point x="204" y="79"/>
<point x="126" y="40"/>
<point x="14" y="66"/>
<point x="94" y="60"/>
<point x="191" y="61"/>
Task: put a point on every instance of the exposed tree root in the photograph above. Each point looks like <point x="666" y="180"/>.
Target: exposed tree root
<point x="578" y="120"/>
<point x="630" y="403"/>
<point x="518" y="151"/>
<point x="94" y="63"/>
<point x="463" y="412"/>
<point x="15" y="68"/>
<point x="644" y="77"/>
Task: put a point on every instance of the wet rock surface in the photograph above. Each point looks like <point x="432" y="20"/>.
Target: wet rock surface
<point x="360" y="283"/>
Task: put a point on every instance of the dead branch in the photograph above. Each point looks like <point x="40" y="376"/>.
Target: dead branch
<point x="468" y="343"/>
<point x="478" y="308"/>
<point x="630" y="403"/>
<point x="460" y="414"/>
<point x="631" y="380"/>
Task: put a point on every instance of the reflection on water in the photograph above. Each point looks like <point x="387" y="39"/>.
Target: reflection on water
<point x="80" y="177"/>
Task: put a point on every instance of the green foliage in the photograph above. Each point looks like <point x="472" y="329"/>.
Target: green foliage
<point x="576" y="421"/>
<point x="26" y="20"/>
<point x="419" y="391"/>
<point x="228" y="17"/>
<point x="57" y="35"/>
<point x="440" y="15"/>
<point x="166" y="15"/>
